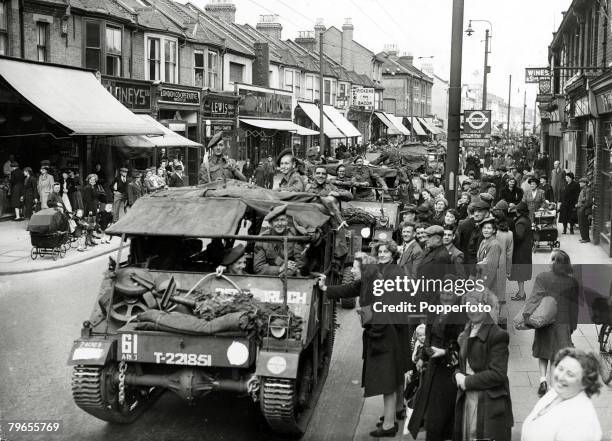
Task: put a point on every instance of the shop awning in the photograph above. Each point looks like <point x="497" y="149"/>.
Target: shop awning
<point x="417" y="126"/>
<point x="169" y="138"/>
<point x="279" y="124"/>
<point x="427" y="126"/>
<point x="392" y="130"/>
<point x="74" y="98"/>
<point x="340" y="121"/>
<point x="330" y="130"/>
<point x="397" y="122"/>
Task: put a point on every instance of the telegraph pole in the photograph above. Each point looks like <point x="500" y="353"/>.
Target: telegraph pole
<point x="486" y="71"/>
<point x="509" y="98"/>
<point x="321" y="94"/>
<point x="524" y="110"/>
<point x="454" y="106"/>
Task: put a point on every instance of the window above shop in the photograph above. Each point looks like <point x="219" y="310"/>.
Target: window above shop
<point x="42" y="35"/>
<point x="199" y="69"/>
<point x="212" y="70"/>
<point x="161" y="58"/>
<point x="4" y="27"/>
<point x="236" y="72"/>
<point x="103" y="47"/>
<point x="288" y="80"/>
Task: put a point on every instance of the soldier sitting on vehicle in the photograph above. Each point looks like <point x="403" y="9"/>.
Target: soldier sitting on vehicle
<point x="269" y="257"/>
<point x="341" y="179"/>
<point x="290" y="178"/>
<point x="311" y="162"/>
<point x="234" y="262"/>
<point x="363" y="179"/>
<point x="219" y="167"/>
<point x="321" y="187"/>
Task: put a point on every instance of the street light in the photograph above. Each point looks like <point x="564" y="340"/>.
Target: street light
<point x="469" y="31"/>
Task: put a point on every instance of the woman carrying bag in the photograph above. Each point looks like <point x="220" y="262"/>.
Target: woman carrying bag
<point x="559" y="284"/>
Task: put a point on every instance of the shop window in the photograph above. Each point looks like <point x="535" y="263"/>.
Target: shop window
<point x="161" y="61"/>
<point x="3" y="27"/>
<point x="213" y="62"/>
<point x="42" y="29"/>
<point x="113" y="51"/>
<point x="93" y="45"/>
<point x="198" y="69"/>
<point x="236" y="72"/>
<point x="289" y="80"/>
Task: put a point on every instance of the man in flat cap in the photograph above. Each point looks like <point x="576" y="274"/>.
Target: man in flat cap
<point x="468" y="234"/>
<point x="436" y="262"/>
<point x="135" y="189"/>
<point x="363" y="179"/>
<point x="290" y="178"/>
<point x="219" y="167"/>
<point x="583" y="208"/>
<point x="321" y="187"/>
<point x="269" y="257"/>
<point x="120" y="197"/>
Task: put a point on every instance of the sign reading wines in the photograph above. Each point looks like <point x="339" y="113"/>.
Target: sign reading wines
<point x="533" y="74"/>
<point x="477" y="122"/>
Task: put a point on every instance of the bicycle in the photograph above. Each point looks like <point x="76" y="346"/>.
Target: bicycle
<point x="604" y="338"/>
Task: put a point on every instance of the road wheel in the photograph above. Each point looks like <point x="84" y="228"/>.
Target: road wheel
<point x="347" y="277"/>
<point x="55" y="253"/>
<point x="605" y="352"/>
<point x="95" y="391"/>
<point x="33" y="253"/>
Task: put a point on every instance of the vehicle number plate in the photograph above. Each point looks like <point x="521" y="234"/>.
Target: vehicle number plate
<point x="182" y="358"/>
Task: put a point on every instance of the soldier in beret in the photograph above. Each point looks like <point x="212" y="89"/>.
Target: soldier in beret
<point x="363" y="178"/>
<point x="269" y="257"/>
<point x="219" y="167"/>
<point x="321" y="187"/>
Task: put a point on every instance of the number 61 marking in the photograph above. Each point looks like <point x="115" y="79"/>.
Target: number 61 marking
<point x="129" y="344"/>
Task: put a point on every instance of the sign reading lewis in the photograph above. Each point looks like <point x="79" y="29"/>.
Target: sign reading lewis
<point x="477" y="122"/>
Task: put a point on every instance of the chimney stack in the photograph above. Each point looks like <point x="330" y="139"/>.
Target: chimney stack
<point x="346" y="55"/>
<point x="319" y="27"/>
<point x="391" y="50"/>
<point x="269" y="25"/>
<point x="307" y="40"/>
<point x="407" y="58"/>
<point x="222" y="9"/>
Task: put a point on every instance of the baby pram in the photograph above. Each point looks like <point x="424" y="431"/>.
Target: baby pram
<point x="49" y="233"/>
<point x="545" y="233"/>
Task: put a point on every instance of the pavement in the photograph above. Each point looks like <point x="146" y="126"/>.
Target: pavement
<point x="15" y="249"/>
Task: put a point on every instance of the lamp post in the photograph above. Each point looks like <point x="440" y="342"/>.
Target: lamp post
<point x="469" y="31"/>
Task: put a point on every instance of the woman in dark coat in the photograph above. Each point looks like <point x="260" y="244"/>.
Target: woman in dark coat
<point x="483" y="407"/>
<point x="30" y="192"/>
<point x="569" y="198"/>
<point x="386" y="347"/>
<point x="512" y="194"/>
<point x="434" y="407"/>
<point x="90" y="195"/>
<point x="560" y="284"/>
<point x="17" y="179"/>
<point x="522" y="237"/>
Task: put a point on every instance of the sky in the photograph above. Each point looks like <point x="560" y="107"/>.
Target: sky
<point x="521" y="32"/>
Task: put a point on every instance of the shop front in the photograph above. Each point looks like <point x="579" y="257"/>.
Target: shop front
<point x="265" y="125"/>
<point x="602" y="176"/>
<point x="55" y="114"/>
<point x="309" y="114"/>
<point x="362" y="119"/>
<point x="220" y="114"/>
<point x="178" y="108"/>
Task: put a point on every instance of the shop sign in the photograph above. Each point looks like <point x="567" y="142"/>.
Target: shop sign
<point x="475" y="136"/>
<point x="533" y="74"/>
<point x="264" y="104"/>
<point x="604" y="102"/>
<point x="544" y="98"/>
<point x="218" y="108"/>
<point x="477" y="122"/>
<point x="176" y="96"/>
<point x="476" y="142"/>
<point x="545" y="86"/>
<point x="134" y="96"/>
<point x="363" y="96"/>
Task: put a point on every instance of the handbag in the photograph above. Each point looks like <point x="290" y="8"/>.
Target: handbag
<point x="545" y="313"/>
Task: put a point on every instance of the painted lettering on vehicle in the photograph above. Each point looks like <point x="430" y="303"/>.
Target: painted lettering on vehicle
<point x="271" y="295"/>
<point x="183" y="358"/>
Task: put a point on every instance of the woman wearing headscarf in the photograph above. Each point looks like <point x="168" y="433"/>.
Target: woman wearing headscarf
<point x="569" y="199"/>
<point x="433" y="409"/>
<point x="483" y="407"/>
<point x="386" y="348"/>
<point x="566" y="412"/>
<point x="522" y="237"/>
<point x="30" y="192"/>
<point x="559" y="284"/>
<point x="45" y="184"/>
